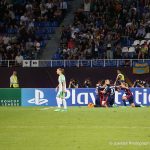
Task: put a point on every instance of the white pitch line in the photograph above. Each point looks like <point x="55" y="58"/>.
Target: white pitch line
<point x="45" y="108"/>
<point x="77" y="127"/>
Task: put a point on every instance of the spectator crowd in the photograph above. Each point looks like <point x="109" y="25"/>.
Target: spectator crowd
<point x="101" y="29"/>
<point x="26" y="25"/>
<point x="107" y="29"/>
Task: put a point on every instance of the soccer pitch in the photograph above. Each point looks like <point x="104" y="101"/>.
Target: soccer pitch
<point x="33" y="128"/>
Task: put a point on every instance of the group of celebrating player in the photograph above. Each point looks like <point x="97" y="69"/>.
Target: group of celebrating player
<point x="105" y="92"/>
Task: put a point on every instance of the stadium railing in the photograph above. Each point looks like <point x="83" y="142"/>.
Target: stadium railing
<point x="75" y="63"/>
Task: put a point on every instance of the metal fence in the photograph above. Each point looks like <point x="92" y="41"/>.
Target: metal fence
<point x="75" y="63"/>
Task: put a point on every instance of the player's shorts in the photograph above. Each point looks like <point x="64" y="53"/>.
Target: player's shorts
<point x="130" y="99"/>
<point x="111" y="99"/>
<point x="104" y="99"/>
<point x="61" y="94"/>
<point x="97" y="100"/>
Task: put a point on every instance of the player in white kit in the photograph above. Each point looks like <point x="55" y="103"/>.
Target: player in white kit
<point x="61" y="88"/>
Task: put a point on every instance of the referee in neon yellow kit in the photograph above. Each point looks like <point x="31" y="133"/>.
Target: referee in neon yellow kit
<point x="14" y="83"/>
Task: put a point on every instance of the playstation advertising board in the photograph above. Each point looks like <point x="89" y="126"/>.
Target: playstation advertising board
<point x="38" y="97"/>
<point x="47" y="97"/>
<point x="77" y="97"/>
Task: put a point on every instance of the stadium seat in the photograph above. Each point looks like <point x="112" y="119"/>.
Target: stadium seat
<point x="125" y="50"/>
<point x="131" y="50"/>
<point x="147" y="36"/>
<point x="50" y="30"/>
<point x="142" y="42"/>
<point x="11" y="31"/>
<point x="54" y="24"/>
<point x="47" y="24"/>
<point x="136" y="42"/>
<point x="17" y="18"/>
<point x="43" y="44"/>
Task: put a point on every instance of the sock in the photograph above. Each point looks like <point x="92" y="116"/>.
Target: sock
<point x="64" y="103"/>
<point x="124" y="102"/>
<point x="59" y="102"/>
<point x="137" y="105"/>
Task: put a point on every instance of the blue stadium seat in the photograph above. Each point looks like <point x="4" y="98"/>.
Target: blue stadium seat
<point x="43" y="44"/>
<point x="12" y="31"/>
<point x="55" y="24"/>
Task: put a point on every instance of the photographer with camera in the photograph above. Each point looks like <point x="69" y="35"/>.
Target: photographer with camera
<point x="73" y="84"/>
<point x="139" y="83"/>
<point x="87" y="83"/>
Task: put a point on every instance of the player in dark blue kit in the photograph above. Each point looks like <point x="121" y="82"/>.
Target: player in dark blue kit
<point x="111" y="96"/>
<point x="106" y="94"/>
<point x="110" y="92"/>
<point x="97" y="98"/>
<point x="99" y="95"/>
<point x="128" y="95"/>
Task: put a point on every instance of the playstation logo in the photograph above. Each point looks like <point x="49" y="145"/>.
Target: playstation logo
<point x="39" y="98"/>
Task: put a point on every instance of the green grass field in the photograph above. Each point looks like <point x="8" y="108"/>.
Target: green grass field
<point x="80" y="128"/>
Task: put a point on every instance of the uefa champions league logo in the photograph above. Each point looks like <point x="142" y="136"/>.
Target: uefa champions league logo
<point x="39" y="98"/>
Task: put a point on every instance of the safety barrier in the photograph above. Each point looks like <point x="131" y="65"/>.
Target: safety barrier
<point x="75" y="63"/>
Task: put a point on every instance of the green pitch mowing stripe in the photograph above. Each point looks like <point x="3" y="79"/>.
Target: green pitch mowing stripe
<point x="31" y="128"/>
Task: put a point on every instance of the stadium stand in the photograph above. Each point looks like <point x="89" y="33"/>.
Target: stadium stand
<point x="27" y="25"/>
<point x="107" y="29"/>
